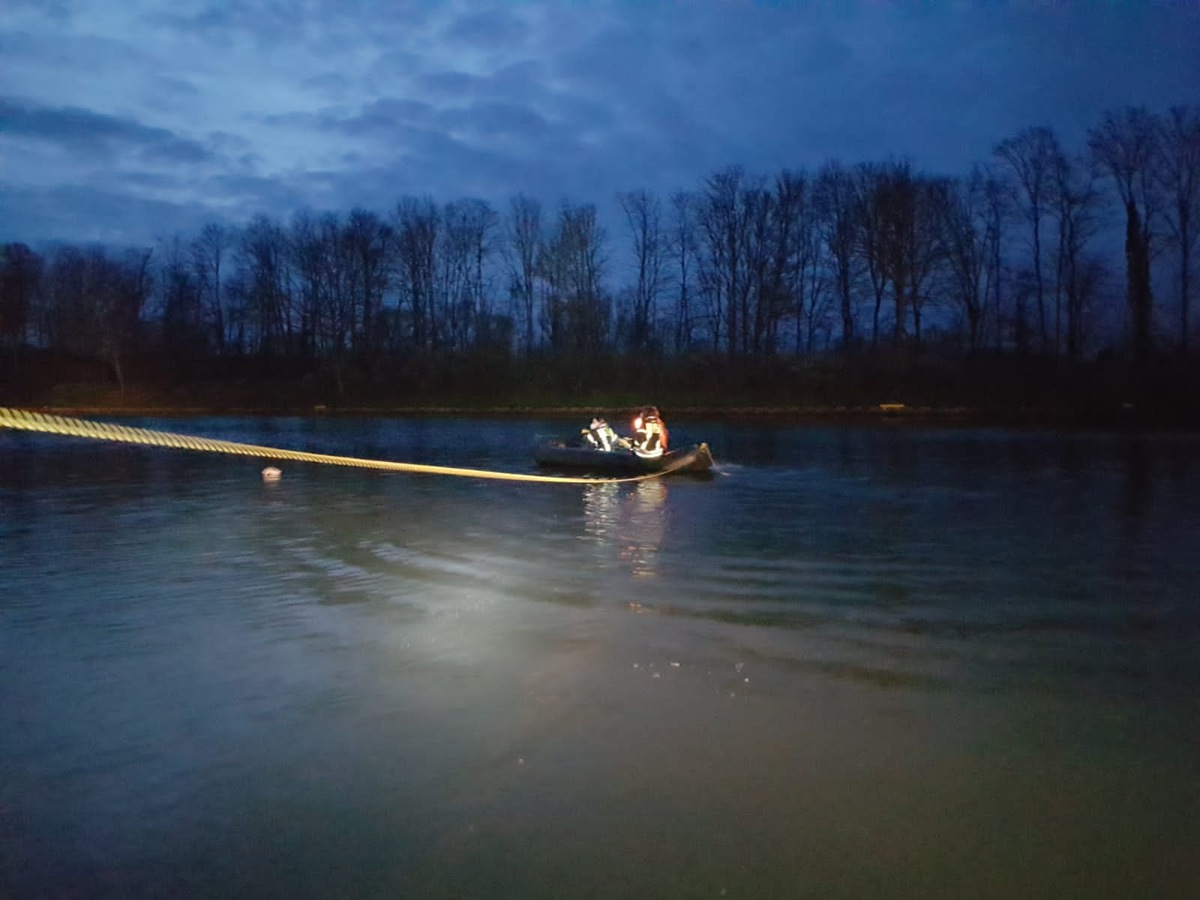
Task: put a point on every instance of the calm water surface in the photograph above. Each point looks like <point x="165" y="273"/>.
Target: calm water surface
<point x="857" y="662"/>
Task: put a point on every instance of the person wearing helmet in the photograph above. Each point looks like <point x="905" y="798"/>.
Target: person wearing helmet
<point x="649" y="433"/>
<point x="600" y="434"/>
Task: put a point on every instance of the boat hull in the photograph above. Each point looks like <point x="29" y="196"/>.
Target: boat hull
<point x="562" y="455"/>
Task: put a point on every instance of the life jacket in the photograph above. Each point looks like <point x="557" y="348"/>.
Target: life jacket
<point x="650" y="437"/>
<point x="601" y="435"/>
<point x="606" y="436"/>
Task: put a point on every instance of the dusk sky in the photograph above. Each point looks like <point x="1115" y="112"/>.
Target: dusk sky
<point x="123" y="122"/>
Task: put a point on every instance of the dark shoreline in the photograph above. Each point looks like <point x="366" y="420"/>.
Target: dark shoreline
<point x="1109" y="394"/>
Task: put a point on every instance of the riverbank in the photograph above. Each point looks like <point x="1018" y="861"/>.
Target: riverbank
<point x="989" y="392"/>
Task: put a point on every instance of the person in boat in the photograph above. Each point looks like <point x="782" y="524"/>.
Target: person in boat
<point x="649" y="433"/>
<point x="601" y="435"/>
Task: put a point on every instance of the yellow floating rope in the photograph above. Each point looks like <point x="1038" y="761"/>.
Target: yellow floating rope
<point x="25" y="420"/>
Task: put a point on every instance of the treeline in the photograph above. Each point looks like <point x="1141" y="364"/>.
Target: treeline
<point x="848" y="262"/>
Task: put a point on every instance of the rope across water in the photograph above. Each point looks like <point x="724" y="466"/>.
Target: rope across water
<point x="26" y="420"/>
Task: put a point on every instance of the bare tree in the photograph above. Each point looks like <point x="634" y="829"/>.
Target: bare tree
<point x="576" y="312"/>
<point x="1179" y="176"/>
<point x="208" y="261"/>
<point x="94" y="303"/>
<point x="870" y="232"/>
<point x="725" y="221"/>
<point x="120" y="308"/>
<point x="417" y="226"/>
<point x="814" y="289"/>
<point x="1032" y="157"/>
<point x="475" y="226"/>
<point x="522" y="247"/>
<point x="184" y="332"/>
<point x="643" y="212"/>
<point x="782" y="293"/>
<point x="367" y="243"/>
<point x="466" y="225"/>
<point x="1075" y="200"/>
<point x="264" y="259"/>
<point x="20" y="272"/>
<point x="968" y="252"/>
<point x="310" y="259"/>
<point x="324" y="274"/>
<point x="928" y="253"/>
<point x="902" y="239"/>
<point x="1125" y="147"/>
<point x="997" y="205"/>
<point x="684" y="252"/>
<point x="838" y="212"/>
<point x="754" y="312"/>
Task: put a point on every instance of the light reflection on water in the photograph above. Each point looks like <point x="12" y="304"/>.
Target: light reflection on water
<point x="854" y="658"/>
<point x="630" y="518"/>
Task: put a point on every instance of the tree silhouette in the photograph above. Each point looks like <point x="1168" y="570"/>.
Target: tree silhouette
<point x="1125" y="147"/>
<point x="20" y="272"/>
<point x="1179" y="175"/>
<point x="1033" y="156"/>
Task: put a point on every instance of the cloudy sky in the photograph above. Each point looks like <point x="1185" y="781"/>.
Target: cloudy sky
<point x="124" y="121"/>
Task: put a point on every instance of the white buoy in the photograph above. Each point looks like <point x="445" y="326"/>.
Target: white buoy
<point x="270" y="473"/>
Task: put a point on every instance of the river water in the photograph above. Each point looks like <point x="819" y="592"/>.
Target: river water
<point x="856" y="662"/>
